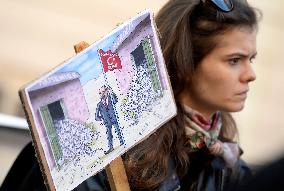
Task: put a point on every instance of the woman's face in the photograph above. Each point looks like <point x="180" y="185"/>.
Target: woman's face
<point x="221" y="81"/>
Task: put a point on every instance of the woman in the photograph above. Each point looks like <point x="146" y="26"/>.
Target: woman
<point x="208" y="46"/>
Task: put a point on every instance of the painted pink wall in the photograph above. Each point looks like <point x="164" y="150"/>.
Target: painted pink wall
<point x="125" y="74"/>
<point x="75" y="106"/>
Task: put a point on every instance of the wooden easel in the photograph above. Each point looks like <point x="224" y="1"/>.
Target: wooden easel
<point x="115" y="170"/>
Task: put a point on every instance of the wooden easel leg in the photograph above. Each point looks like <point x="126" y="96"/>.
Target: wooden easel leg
<point x="117" y="176"/>
<point x="80" y="46"/>
<point x="115" y="170"/>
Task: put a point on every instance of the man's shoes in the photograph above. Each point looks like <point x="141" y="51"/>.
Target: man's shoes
<point x="108" y="151"/>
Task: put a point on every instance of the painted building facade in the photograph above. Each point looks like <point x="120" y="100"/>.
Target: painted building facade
<point x="58" y="97"/>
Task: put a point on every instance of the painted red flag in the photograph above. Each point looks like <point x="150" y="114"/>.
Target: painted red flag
<point x="110" y="60"/>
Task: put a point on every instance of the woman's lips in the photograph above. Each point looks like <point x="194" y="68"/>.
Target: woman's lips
<point x="243" y="94"/>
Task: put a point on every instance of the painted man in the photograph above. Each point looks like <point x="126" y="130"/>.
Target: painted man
<point x="106" y="112"/>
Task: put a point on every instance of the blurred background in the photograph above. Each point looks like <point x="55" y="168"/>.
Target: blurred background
<point x="37" y="35"/>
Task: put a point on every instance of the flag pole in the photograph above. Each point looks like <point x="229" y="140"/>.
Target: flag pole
<point x="115" y="170"/>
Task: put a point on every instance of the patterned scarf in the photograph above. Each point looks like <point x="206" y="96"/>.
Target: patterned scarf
<point x="202" y="133"/>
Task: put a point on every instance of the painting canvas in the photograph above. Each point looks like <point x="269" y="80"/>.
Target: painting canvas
<point x="97" y="105"/>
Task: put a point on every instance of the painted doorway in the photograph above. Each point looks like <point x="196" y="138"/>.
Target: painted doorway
<point x="51" y="113"/>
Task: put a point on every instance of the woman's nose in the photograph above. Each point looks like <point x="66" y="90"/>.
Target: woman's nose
<point x="248" y="73"/>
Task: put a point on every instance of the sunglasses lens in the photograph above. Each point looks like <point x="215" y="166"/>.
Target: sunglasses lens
<point x="223" y="5"/>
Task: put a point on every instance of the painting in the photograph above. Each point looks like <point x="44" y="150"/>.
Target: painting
<point x="97" y="105"/>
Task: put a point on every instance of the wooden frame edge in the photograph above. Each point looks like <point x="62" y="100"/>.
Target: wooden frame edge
<point x="39" y="152"/>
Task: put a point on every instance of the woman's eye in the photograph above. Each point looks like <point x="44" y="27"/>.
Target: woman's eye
<point x="234" y="61"/>
<point x="251" y="60"/>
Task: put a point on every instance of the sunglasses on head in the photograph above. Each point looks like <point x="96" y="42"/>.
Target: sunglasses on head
<point x="222" y="5"/>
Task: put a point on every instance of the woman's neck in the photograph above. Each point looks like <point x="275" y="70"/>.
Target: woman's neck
<point x="205" y="111"/>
